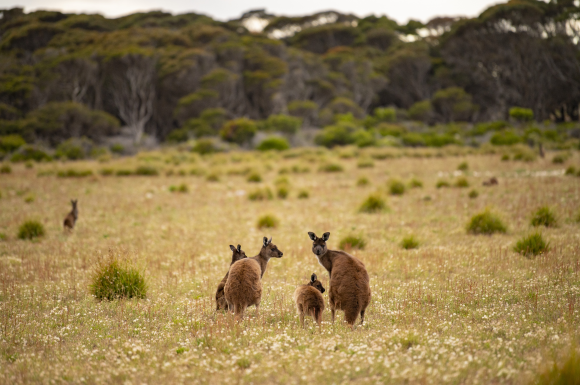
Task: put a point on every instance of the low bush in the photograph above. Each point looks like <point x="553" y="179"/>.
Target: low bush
<point x="544" y="216"/>
<point x="303" y="194"/>
<point x="29" y="198"/>
<point x="282" y="192"/>
<point x="117" y="148"/>
<point x="274" y="143"/>
<point x="462" y="182"/>
<point x="204" y="147"/>
<point x="331" y="167"/>
<point x="29" y="152"/>
<point x="486" y="223"/>
<point x="116" y="277"/>
<point x="254" y="178"/>
<point x="373" y="204"/>
<point x="505" y="138"/>
<point x="442" y="183"/>
<point x="268" y="221"/>
<point x="182" y="188"/>
<point x="123" y="172"/>
<point x="409" y="243"/>
<point x="531" y="245"/>
<point x="559" y="159"/>
<point x="565" y="373"/>
<point x="505" y="158"/>
<point x="31" y="230"/>
<point x="396" y="187"/>
<point x="73" y="173"/>
<point x="107" y="172"/>
<point x="146" y="171"/>
<point x="521" y="114"/>
<point x="473" y="194"/>
<point x="463" y="166"/>
<point x="365" y="163"/>
<point x="5" y="169"/>
<point x="213" y="177"/>
<point x="363" y="181"/>
<point x="352" y="242"/>
<point x="571" y="170"/>
<point x="10" y="143"/>
<point x="415" y="183"/>
<point x="261" y="195"/>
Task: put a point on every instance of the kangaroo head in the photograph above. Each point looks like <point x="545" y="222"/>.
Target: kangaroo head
<point x="315" y="283"/>
<point x="319" y="244"/>
<point x="238" y="253"/>
<point x="270" y="250"/>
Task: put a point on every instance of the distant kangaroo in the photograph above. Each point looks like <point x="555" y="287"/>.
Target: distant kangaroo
<point x="220" y="299"/>
<point x="491" y="182"/>
<point x="349" y="288"/>
<point x="309" y="301"/>
<point x="71" y="218"/>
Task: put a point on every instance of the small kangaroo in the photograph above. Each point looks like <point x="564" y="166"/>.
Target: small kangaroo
<point x="491" y="182"/>
<point x="220" y="298"/>
<point x="349" y="289"/>
<point x="71" y="218"/>
<point x="309" y="300"/>
<point x="244" y="284"/>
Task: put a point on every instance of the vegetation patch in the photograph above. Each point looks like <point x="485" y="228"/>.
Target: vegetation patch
<point x="116" y="277"/>
<point x="544" y="216"/>
<point x="396" y="187"/>
<point x="531" y="245"/>
<point x="254" y="177"/>
<point x="362" y="181"/>
<point x="473" y="194"/>
<point x="565" y="373"/>
<point x="331" y="167"/>
<point x="73" y="173"/>
<point x="273" y="143"/>
<point x="365" y="163"/>
<point x="462" y="182"/>
<point x="463" y="166"/>
<point x="409" y="243"/>
<point x="261" y="194"/>
<point x="373" y="204"/>
<point x="31" y="230"/>
<point x="5" y="169"/>
<point x="442" y="183"/>
<point x="213" y="177"/>
<point x="415" y="183"/>
<point x="146" y="171"/>
<point x="182" y="188"/>
<point x="352" y="242"/>
<point x="268" y="221"/>
<point x="486" y="223"/>
<point x="303" y="194"/>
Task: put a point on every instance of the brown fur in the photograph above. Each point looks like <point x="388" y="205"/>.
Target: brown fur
<point x="244" y="284"/>
<point x="71" y="219"/>
<point x="491" y="182"/>
<point x="349" y="289"/>
<point x="309" y="301"/>
<point x="220" y="299"/>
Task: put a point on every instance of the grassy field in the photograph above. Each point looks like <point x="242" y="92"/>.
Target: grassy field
<point x="460" y="308"/>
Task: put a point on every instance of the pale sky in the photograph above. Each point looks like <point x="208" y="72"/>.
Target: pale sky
<point x="400" y="10"/>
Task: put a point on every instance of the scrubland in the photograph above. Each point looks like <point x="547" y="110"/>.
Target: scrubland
<point x="458" y="308"/>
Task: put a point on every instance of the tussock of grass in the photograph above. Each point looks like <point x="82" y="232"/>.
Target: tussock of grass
<point x="146" y="171"/>
<point x="107" y="172"/>
<point x="486" y="223"/>
<point x="3" y="237"/>
<point x="331" y="167"/>
<point x="365" y="163"/>
<point x="533" y="244"/>
<point x="571" y="170"/>
<point x="559" y="159"/>
<point x="462" y="182"/>
<point x="415" y="183"/>
<point x="373" y="204"/>
<point x="505" y="158"/>
<point x="282" y="192"/>
<point x="182" y="188"/>
<point x="260" y="194"/>
<point x="31" y="230"/>
<point x="473" y="194"/>
<point x="212" y="177"/>
<point x="463" y="166"/>
<point x="409" y="243"/>
<point x="396" y="187"/>
<point x="268" y="221"/>
<point x="303" y="194"/>
<point x="29" y="198"/>
<point x="254" y="178"/>
<point x="566" y="373"/>
<point x="73" y="173"/>
<point x="363" y="181"/>
<point x="544" y="216"/>
<point x="124" y="172"/>
<point x="352" y="242"/>
<point x="442" y="183"/>
<point x="116" y="277"/>
<point x="5" y="169"/>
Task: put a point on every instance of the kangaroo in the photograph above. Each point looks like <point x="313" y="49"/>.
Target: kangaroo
<point x="244" y="284"/>
<point x="220" y="299"/>
<point x="349" y="288"/>
<point x="491" y="182"/>
<point x="71" y="218"/>
<point x="309" y="301"/>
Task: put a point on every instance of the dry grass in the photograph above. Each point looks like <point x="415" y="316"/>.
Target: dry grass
<point x="459" y="309"/>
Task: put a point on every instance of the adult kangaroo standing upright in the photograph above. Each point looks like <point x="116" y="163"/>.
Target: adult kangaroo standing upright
<point x="244" y="285"/>
<point x="71" y="218"/>
<point x="220" y="299"/>
<point x="349" y="288"/>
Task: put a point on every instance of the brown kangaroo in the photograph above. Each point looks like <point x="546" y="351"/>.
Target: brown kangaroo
<point x="349" y="288"/>
<point x="220" y="298"/>
<point x="244" y="284"/>
<point x="491" y="182"/>
<point x="309" y="301"/>
<point x="71" y="219"/>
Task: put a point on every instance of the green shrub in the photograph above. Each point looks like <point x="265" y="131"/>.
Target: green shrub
<point x="462" y="182"/>
<point x="362" y="181"/>
<point x="409" y="243"/>
<point x="182" y="188"/>
<point x="533" y="244"/>
<point x="29" y="165"/>
<point x="124" y="172"/>
<point x="505" y="138"/>
<point x="146" y="171"/>
<point x="29" y="152"/>
<point x="5" y="169"/>
<point x="303" y="194"/>
<point x="31" y="230"/>
<point x="521" y="114"/>
<point x="566" y="373"/>
<point x="505" y="157"/>
<point x="71" y="150"/>
<point x="10" y="143"/>
<point x="261" y="195"/>
<point x="352" y="242"/>
<point x="3" y="237"/>
<point x="204" y="146"/>
<point x="73" y="173"/>
<point x="463" y="166"/>
<point x="396" y="187"/>
<point x="485" y="223"/>
<point x="422" y="110"/>
<point x="365" y="163"/>
<point x="268" y="221"/>
<point x="373" y="204"/>
<point x="283" y="123"/>
<point x="106" y="172"/>
<point x="442" y="183"/>
<point x="282" y="192"/>
<point x="525" y="154"/>
<point x="115" y="277"/>
<point x="213" y="177"/>
<point x="364" y="138"/>
<point x="571" y="170"/>
<point x="544" y="216"/>
<point x="254" y="177"/>
<point x="239" y="131"/>
<point x="559" y="159"/>
<point x="117" y="148"/>
<point x="388" y="129"/>
<point x="274" y="143"/>
<point x="415" y="183"/>
<point x="336" y="135"/>
<point x="413" y="139"/>
<point x="473" y="194"/>
<point x="330" y="167"/>
<point x="385" y="114"/>
<point x="29" y="198"/>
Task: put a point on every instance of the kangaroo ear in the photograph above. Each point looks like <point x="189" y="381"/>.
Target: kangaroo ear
<point x="312" y="235"/>
<point x="313" y="277"/>
<point x="270" y="240"/>
<point x="265" y="241"/>
<point x="233" y="248"/>
<point x="239" y="249"/>
<point x="325" y="236"/>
